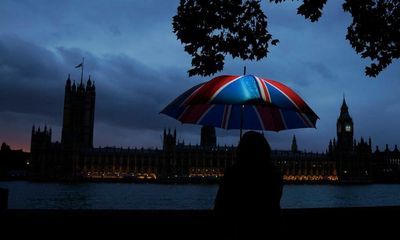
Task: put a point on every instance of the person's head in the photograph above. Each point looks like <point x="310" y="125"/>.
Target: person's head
<point x="253" y="150"/>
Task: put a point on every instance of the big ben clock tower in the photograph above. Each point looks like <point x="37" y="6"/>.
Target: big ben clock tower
<point x="345" y="130"/>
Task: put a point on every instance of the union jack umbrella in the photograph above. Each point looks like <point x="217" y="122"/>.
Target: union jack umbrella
<point x="242" y="102"/>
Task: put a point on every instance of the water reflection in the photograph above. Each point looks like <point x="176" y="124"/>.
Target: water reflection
<point x="315" y="196"/>
<point x="157" y="196"/>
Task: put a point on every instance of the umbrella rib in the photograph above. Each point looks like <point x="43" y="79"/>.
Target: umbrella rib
<point x="226" y="116"/>
<point x="259" y="118"/>
<point x="283" y="119"/>
<point x="205" y="113"/>
<point x="303" y="119"/>
<point x="306" y="120"/>
<point x="183" y="113"/>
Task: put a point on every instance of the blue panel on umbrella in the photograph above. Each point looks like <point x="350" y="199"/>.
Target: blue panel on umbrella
<point x="234" y="119"/>
<point x="250" y="118"/>
<point x="293" y="120"/>
<point x="214" y="116"/>
<point x="174" y="109"/>
<point x="173" y="112"/>
<point x="242" y="90"/>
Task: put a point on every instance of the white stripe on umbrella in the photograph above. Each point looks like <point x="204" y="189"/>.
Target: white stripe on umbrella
<point x="306" y="120"/>
<point x="263" y="88"/>
<point x="183" y="113"/>
<point x="222" y="88"/>
<point x="283" y="119"/>
<point x="259" y="118"/>
<point x="226" y="116"/>
<point x="204" y="114"/>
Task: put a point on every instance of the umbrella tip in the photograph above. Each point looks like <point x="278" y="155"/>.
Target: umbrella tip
<point x="244" y="70"/>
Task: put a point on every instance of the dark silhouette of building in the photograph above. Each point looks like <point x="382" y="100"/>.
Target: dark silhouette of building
<point x="294" y="144"/>
<point x="78" y="123"/>
<point x="42" y="161"/>
<point x="353" y="159"/>
<point x="78" y="120"/>
<point x="60" y="160"/>
<point x="386" y="165"/>
<point x="344" y="129"/>
<point x="75" y="157"/>
<point x="208" y="137"/>
<point x="13" y="163"/>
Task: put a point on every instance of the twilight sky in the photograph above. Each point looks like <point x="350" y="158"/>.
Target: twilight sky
<point x="139" y="66"/>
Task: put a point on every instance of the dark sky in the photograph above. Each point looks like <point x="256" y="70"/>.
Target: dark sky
<point x="139" y="66"/>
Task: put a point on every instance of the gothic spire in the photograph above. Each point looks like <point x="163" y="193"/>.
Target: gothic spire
<point x="294" y="144"/>
<point x="344" y="110"/>
<point x="68" y="84"/>
<point x="344" y="105"/>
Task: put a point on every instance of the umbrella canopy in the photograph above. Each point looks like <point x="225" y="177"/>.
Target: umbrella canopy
<point x="242" y="102"/>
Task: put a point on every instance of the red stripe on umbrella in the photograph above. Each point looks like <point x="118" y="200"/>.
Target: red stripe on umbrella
<point x="272" y="119"/>
<point x="205" y="93"/>
<point x="193" y="114"/>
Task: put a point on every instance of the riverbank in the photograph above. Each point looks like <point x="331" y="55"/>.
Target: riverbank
<point x="199" y="224"/>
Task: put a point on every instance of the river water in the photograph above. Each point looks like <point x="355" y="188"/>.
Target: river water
<point x="34" y="195"/>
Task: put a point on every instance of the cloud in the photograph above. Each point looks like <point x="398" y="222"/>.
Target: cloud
<point x="28" y="76"/>
<point x="130" y="94"/>
<point x="139" y="67"/>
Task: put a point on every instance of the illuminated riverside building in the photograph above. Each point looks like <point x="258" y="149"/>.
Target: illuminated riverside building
<point x="174" y="160"/>
<point x="75" y="156"/>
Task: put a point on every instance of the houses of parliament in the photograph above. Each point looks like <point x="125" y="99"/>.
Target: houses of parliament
<point x="345" y="160"/>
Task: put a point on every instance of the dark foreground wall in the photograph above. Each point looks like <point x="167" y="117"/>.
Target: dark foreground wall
<point x="325" y="223"/>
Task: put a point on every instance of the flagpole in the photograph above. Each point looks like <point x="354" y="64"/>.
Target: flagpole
<point x="83" y="60"/>
<point x="241" y="120"/>
<point x="241" y="110"/>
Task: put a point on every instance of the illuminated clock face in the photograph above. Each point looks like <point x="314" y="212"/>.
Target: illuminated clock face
<point x="347" y="128"/>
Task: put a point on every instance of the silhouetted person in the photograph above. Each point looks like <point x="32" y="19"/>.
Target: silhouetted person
<point x="248" y="199"/>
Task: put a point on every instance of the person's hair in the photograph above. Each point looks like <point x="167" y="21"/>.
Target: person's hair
<point x="253" y="150"/>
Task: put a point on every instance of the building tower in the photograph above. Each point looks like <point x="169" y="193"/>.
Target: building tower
<point x="89" y="106"/>
<point x="294" y="144"/>
<point x="345" y="130"/>
<point x="40" y="162"/>
<point x="78" y="119"/>
<point x="78" y="124"/>
<point x="208" y="137"/>
<point x="168" y="165"/>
